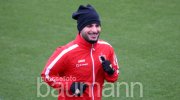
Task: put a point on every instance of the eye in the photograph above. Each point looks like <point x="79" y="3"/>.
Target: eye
<point x="97" y="25"/>
<point x="89" y="26"/>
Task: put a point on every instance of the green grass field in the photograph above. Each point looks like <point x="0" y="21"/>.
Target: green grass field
<point x="144" y="33"/>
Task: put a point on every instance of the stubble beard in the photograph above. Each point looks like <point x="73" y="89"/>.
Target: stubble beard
<point x="89" y="40"/>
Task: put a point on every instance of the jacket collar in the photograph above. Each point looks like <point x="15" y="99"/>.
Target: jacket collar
<point x="83" y="43"/>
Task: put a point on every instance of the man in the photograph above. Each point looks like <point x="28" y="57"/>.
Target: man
<point x="79" y="68"/>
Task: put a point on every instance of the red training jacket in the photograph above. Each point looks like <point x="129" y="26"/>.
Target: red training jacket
<point x="79" y="61"/>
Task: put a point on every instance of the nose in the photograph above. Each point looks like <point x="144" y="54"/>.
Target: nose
<point x="95" y="29"/>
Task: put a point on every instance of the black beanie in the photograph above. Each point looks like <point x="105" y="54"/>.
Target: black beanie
<point x="85" y="15"/>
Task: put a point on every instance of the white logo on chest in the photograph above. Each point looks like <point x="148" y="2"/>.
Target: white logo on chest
<point x="81" y="63"/>
<point x="81" y="60"/>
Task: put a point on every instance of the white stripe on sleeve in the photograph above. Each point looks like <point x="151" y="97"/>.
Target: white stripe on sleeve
<point x="57" y="58"/>
<point x="103" y="42"/>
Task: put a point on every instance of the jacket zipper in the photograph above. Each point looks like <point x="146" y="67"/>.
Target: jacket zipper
<point x="92" y="92"/>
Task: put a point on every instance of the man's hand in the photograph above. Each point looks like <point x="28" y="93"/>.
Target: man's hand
<point x="78" y="88"/>
<point x="107" y="66"/>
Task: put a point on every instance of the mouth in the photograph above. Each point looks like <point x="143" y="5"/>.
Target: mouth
<point x="93" y="36"/>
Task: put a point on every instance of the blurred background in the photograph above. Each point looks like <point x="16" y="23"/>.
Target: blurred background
<point x="144" y="33"/>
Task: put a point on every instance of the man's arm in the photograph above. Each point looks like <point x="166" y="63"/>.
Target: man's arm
<point x="54" y="68"/>
<point x="114" y="65"/>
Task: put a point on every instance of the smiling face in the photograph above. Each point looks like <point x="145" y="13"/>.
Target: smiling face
<point x="91" y="33"/>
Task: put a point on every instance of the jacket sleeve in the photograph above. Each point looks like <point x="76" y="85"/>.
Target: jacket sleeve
<point x="114" y="62"/>
<point x="52" y="74"/>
